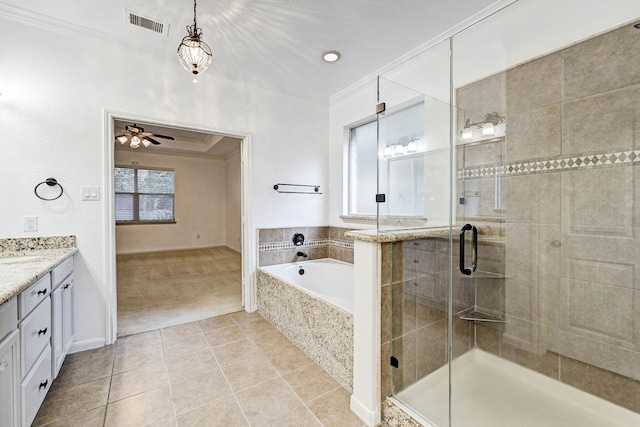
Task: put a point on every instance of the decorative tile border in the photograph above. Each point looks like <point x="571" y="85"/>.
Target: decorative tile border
<point x="554" y="165"/>
<point x="311" y="243"/>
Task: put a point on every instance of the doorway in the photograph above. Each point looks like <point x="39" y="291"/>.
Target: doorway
<point x="180" y="258"/>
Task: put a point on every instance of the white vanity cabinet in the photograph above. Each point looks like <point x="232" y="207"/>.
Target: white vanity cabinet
<point x="9" y="364"/>
<point x="62" y="312"/>
<point x="35" y="346"/>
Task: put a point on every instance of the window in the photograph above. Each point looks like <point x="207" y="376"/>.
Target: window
<point x="363" y="162"/>
<point x="144" y="195"/>
<point x="399" y="174"/>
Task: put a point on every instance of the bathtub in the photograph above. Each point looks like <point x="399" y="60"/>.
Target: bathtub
<point x="327" y="278"/>
<point x="314" y="310"/>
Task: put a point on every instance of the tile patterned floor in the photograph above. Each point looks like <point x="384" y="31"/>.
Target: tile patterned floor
<point x="231" y="370"/>
<point x="162" y="289"/>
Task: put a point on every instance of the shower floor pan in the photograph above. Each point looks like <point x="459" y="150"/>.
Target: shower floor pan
<point x="492" y="392"/>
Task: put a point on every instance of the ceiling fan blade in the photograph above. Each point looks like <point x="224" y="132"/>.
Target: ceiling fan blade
<point x="153" y="141"/>
<point x="160" y="136"/>
<point x="134" y="128"/>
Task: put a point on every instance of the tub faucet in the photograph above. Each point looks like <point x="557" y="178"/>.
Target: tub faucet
<point x="301" y="254"/>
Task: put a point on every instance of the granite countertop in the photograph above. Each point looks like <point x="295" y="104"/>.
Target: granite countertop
<point x="24" y="261"/>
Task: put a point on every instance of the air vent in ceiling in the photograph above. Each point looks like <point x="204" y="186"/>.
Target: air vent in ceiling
<point x="140" y="21"/>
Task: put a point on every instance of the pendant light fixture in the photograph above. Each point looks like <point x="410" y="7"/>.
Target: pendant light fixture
<point x="195" y="56"/>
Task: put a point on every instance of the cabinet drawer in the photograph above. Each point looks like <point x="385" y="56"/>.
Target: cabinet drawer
<point x="35" y="334"/>
<point x="8" y="317"/>
<point x="61" y="272"/>
<point x="34" y="294"/>
<point x="35" y="387"/>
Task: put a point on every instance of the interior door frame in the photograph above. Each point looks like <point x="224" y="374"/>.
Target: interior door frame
<point x="247" y="238"/>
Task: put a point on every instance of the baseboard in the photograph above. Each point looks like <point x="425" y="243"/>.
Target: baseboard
<point x="87" y="345"/>
<point x="371" y="418"/>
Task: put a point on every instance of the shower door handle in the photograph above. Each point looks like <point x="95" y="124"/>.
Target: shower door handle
<point x="474" y="249"/>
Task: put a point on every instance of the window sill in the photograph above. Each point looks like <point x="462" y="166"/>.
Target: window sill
<point x="385" y="219"/>
<point x="145" y="222"/>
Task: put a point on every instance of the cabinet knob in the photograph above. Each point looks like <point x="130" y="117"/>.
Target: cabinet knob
<point x="43" y="331"/>
<point x="42" y="292"/>
<point x="43" y="385"/>
<point x="3" y="365"/>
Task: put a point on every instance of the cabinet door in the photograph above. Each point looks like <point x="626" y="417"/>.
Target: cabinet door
<point x="10" y="381"/>
<point x="62" y="306"/>
<point x="57" y="313"/>
<point x="68" y="315"/>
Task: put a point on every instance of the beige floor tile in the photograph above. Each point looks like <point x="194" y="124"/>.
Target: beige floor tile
<point x="83" y="372"/>
<point x="242" y="317"/>
<point x="236" y="351"/>
<point x="332" y="409"/>
<point x="288" y="358"/>
<point x="224" y="335"/>
<point x="73" y="400"/>
<point x="181" y="345"/>
<point x="138" y="357"/>
<point x="248" y="373"/>
<point x="222" y="413"/>
<point x="191" y="364"/>
<point x="138" y="381"/>
<point x="140" y="410"/>
<point x="269" y="341"/>
<point x="136" y="341"/>
<point x="179" y="331"/>
<point x="300" y="416"/>
<point x="267" y="401"/>
<point x="90" y="418"/>
<point x="169" y="422"/>
<point x="310" y="382"/>
<point x="189" y="393"/>
<point x="90" y="355"/>
<point x="216" y="323"/>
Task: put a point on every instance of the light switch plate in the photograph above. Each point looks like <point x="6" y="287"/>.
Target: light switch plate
<point x="90" y="192"/>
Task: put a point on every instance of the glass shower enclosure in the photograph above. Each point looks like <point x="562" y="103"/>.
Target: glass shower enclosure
<point x="512" y="161"/>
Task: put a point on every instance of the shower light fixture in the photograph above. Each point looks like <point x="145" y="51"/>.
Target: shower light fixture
<point x="402" y="147"/>
<point x="487" y="125"/>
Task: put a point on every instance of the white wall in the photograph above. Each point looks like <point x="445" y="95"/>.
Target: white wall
<point x="233" y="218"/>
<point x="55" y="89"/>
<point x="200" y="204"/>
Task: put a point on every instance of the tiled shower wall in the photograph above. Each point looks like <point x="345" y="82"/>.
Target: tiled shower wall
<point x="569" y="206"/>
<point x="275" y="245"/>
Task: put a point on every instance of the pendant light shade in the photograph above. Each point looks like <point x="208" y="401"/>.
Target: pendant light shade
<point x="194" y="54"/>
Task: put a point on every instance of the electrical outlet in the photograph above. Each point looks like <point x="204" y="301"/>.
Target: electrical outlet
<point x="30" y="223"/>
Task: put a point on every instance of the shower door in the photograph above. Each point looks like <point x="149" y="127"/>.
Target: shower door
<point x="414" y="189"/>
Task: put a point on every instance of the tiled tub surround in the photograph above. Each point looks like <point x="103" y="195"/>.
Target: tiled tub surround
<point x="567" y="172"/>
<point x="275" y="245"/>
<point x="323" y="331"/>
<point x="24" y="260"/>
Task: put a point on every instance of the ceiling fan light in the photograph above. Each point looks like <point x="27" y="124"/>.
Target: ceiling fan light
<point x="146" y="142"/>
<point x="135" y="142"/>
<point x="122" y="139"/>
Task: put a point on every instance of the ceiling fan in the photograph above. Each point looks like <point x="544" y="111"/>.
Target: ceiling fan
<point x="136" y="135"/>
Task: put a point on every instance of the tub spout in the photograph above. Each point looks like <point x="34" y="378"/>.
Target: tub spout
<point x="301" y="254"/>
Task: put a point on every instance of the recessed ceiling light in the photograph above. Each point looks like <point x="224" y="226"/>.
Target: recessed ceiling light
<point x="331" y="56"/>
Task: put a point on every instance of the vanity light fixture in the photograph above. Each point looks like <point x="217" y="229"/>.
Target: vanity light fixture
<point x="488" y="126"/>
<point x="194" y="54"/>
<point x="331" y="56"/>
